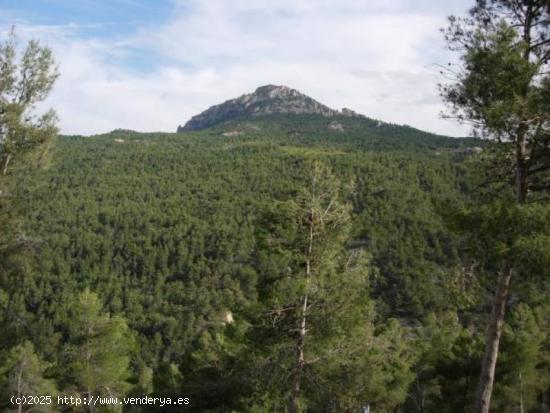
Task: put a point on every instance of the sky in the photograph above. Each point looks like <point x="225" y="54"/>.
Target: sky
<point x="149" y="65"/>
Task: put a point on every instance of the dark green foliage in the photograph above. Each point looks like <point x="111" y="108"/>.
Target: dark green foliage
<point x="23" y="375"/>
<point x="525" y="374"/>
<point x="25" y="80"/>
<point x="500" y="87"/>
<point x="96" y="358"/>
<point x="170" y="232"/>
<point x="316" y="329"/>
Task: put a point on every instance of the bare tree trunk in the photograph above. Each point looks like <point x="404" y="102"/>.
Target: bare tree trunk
<point x="521" y="172"/>
<point x="296" y="386"/>
<point x="293" y="404"/>
<point x="487" y="377"/>
<point x="8" y="159"/>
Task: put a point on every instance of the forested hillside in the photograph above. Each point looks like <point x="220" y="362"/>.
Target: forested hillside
<point x="173" y="258"/>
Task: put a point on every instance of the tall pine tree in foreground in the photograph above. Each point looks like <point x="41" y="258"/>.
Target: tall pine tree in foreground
<point x="319" y="349"/>
<point x="98" y="351"/>
<point x="26" y="78"/>
<point x="502" y="87"/>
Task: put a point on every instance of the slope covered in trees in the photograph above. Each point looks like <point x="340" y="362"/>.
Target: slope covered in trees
<point x="183" y="253"/>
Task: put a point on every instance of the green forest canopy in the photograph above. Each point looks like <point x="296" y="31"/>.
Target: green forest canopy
<point x="166" y="233"/>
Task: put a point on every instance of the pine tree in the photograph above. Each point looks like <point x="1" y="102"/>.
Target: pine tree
<point x="23" y="374"/>
<point x="321" y="347"/>
<point x="25" y="80"/>
<point x="525" y="374"/>
<point x="98" y="350"/>
<point x="503" y="88"/>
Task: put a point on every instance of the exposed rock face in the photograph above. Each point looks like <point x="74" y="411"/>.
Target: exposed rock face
<point x="336" y="126"/>
<point x="266" y="100"/>
<point x="350" y="113"/>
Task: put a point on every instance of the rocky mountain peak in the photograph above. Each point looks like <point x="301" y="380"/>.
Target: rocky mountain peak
<point x="265" y="100"/>
<point x="273" y="91"/>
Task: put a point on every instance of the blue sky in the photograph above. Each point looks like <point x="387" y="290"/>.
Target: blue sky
<point x="150" y="65"/>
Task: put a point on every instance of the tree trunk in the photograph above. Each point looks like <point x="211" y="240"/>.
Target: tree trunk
<point x="293" y="404"/>
<point x="521" y="172"/>
<point x="488" y="366"/>
<point x="8" y="159"/>
<point x="485" y="388"/>
<point x="296" y="386"/>
<point x="522" y="147"/>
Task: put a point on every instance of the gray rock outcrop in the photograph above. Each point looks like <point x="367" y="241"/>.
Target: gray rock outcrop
<point x="266" y="100"/>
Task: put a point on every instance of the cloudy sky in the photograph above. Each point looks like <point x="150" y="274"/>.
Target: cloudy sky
<point x="149" y="65"/>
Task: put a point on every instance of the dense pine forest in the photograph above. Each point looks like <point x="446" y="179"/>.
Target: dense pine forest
<point x="180" y="253"/>
<point x="277" y="255"/>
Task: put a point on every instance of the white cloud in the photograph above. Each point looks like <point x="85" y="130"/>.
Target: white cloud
<point x="375" y="57"/>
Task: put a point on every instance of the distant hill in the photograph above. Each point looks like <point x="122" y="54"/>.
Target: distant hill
<point x="266" y="100"/>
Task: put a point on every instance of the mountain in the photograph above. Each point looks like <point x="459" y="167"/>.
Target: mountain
<point x="266" y="100"/>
